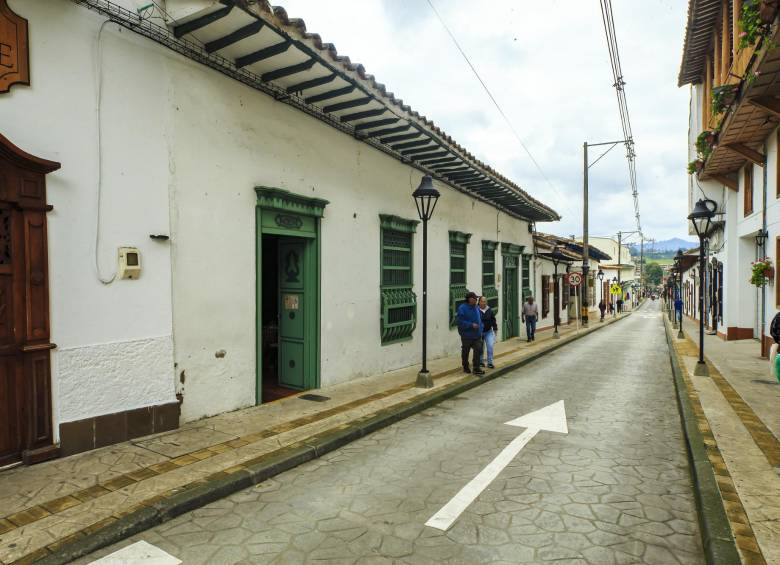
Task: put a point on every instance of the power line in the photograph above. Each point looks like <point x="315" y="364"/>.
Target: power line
<point x="495" y="102"/>
<point x="619" y="84"/>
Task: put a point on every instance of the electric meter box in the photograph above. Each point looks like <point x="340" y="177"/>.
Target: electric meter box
<point x="129" y="263"/>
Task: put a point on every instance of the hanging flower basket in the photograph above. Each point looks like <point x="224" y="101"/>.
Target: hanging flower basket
<point x="723" y="97"/>
<point x="695" y="166"/>
<point x="762" y="272"/>
<point x="705" y="143"/>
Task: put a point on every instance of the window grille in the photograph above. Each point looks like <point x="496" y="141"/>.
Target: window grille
<point x="526" y="276"/>
<point x="398" y="316"/>
<point x="458" y="243"/>
<point x="489" y="274"/>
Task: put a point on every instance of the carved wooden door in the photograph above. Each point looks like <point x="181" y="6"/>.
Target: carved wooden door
<point x="25" y="381"/>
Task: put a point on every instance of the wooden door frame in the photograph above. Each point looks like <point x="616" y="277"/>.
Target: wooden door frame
<point x="23" y="190"/>
<point x="283" y="213"/>
<point x="515" y="252"/>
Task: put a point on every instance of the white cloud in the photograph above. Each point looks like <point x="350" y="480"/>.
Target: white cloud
<point x="547" y="65"/>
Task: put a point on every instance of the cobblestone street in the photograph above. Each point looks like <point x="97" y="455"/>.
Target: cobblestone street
<point x="616" y="489"/>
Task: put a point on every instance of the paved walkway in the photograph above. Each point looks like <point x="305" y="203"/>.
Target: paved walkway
<point x="740" y="419"/>
<point x="46" y="506"/>
<point x="613" y="487"/>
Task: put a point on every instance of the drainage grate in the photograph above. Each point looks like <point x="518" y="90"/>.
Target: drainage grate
<point x="765" y="382"/>
<point x="314" y="397"/>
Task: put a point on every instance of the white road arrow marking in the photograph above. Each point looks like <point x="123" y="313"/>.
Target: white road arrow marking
<point x="551" y="418"/>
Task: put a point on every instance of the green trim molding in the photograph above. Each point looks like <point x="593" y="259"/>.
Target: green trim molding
<point x="388" y="222"/>
<point x="286" y="201"/>
<point x="512" y="249"/>
<point x="459" y="237"/>
<point x="488" y="245"/>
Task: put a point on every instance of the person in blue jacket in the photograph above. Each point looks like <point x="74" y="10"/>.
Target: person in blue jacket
<point x="469" y="320"/>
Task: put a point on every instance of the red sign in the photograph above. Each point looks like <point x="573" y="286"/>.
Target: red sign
<point x="574" y="279"/>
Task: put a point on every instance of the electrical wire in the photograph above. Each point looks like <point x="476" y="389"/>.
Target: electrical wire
<point x="496" y="104"/>
<point x="99" y="138"/>
<point x="619" y="84"/>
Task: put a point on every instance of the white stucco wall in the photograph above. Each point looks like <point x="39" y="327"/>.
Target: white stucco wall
<point x="97" y="327"/>
<point x="248" y="139"/>
<point x="183" y="149"/>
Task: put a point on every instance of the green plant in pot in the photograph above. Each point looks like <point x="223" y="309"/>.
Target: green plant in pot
<point x="705" y="143"/>
<point x="723" y="97"/>
<point x="695" y="166"/>
<point x="754" y="20"/>
<point x="762" y="272"/>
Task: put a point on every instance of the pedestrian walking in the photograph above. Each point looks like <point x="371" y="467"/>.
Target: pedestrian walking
<point x="489" y="331"/>
<point x="530" y="315"/>
<point x="470" y="329"/>
<point x="620" y="305"/>
<point x="678" y="306"/>
<point x="602" y="308"/>
<point x="610" y="307"/>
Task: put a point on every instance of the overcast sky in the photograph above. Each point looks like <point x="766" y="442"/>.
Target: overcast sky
<point x="547" y="65"/>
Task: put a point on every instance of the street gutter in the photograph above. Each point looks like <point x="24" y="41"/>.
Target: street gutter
<point x="221" y="484"/>
<point x="717" y="540"/>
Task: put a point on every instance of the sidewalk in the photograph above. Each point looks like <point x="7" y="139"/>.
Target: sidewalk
<point x="738" y="413"/>
<point x="64" y="508"/>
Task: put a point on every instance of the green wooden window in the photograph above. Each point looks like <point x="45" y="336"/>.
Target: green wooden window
<point x="458" y="243"/>
<point x="398" y="316"/>
<point x="489" y="274"/>
<point x="526" y="276"/>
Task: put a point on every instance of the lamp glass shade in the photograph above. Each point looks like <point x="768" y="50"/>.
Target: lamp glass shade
<point x="761" y="238"/>
<point x="600" y="275"/>
<point x="701" y="216"/>
<point x="425" y="198"/>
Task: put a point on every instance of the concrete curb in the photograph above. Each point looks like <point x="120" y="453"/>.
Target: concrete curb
<point x="223" y="484"/>
<point x="717" y="540"/>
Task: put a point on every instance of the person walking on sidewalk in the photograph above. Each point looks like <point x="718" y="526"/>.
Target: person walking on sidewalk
<point x="470" y="329"/>
<point x="530" y="315"/>
<point x="489" y="331"/>
<point x="602" y="308"/>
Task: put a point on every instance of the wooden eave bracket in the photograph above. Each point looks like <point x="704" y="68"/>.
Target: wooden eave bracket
<point x="746" y="152"/>
<point x="732" y="183"/>
<point x="768" y="104"/>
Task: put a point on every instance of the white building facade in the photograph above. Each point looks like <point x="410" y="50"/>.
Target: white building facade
<point x="264" y="185"/>
<point x="733" y="150"/>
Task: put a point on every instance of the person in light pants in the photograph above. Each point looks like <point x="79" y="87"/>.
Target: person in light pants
<point x="530" y="315"/>
<point x="489" y="331"/>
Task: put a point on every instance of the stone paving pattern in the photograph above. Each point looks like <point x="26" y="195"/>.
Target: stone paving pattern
<point x="741" y="448"/>
<point x="616" y="489"/>
<point x="45" y="505"/>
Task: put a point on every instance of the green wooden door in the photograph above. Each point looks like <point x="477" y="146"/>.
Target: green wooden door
<point x="510" y="318"/>
<point x="292" y="313"/>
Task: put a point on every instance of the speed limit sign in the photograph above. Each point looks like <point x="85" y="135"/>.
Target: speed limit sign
<point x="575" y="279"/>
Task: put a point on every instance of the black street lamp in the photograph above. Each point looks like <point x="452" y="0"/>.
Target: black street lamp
<point x="701" y="217"/>
<point x="425" y="197"/>
<point x="614" y="302"/>
<point x="556" y="257"/>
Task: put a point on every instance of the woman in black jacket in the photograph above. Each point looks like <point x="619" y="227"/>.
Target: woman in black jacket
<point x="489" y="332"/>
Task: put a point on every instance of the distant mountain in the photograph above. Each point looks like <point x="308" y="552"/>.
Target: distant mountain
<point x="666" y="245"/>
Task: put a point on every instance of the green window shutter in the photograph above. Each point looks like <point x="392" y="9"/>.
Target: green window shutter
<point x="526" y="276"/>
<point x="489" y="274"/>
<point x="458" y="243"/>
<point x="398" y="316"/>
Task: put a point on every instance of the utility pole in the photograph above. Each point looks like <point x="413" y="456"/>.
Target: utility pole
<point x="585" y="247"/>
<point x="585" y="250"/>
<point x="620" y="239"/>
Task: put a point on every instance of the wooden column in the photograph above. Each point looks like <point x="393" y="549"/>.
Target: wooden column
<point x="725" y="43"/>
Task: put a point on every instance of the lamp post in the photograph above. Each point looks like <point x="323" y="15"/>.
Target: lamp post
<point x="600" y="276"/>
<point x="673" y="291"/>
<point x="425" y="198"/>
<point x="701" y="217"/>
<point x="761" y="238"/>
<point x="556" y="258"/>
<point x="614" y="305"/>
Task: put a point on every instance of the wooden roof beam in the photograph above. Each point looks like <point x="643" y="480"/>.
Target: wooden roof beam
<point x="768" y="104"/>
<point x="311" y="83"/>
<point x="202" y="21"/>
<point x="329" y="94"/>
<point x="348" y="104"/>
<point x="746" y="152"/>
<point x="733" y="184"/>
<point x="262" y="54"/>
<point x="234" y="37"/>
<point x="287" y="71"/>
